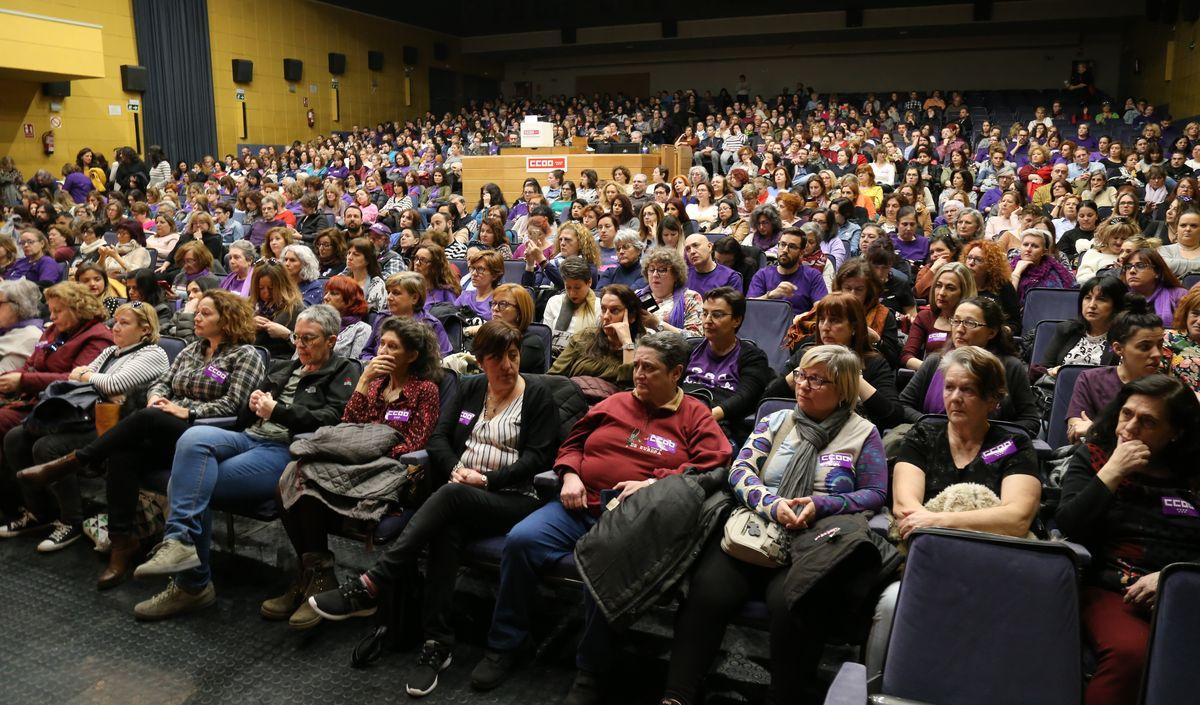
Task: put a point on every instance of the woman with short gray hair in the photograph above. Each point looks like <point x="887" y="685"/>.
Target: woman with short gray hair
<point x="241" y="268"/>
<point x="20" y="301"/>
<point x="675" y="307"/>
<point x="245" y="466"/>
<point x="801" y="465"/>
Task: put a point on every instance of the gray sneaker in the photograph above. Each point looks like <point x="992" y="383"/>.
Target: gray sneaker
<point x="168" y="558"/>
<point x="172" y="601"/>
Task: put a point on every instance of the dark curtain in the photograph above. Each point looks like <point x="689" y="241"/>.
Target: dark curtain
<point x="178" y="110"/>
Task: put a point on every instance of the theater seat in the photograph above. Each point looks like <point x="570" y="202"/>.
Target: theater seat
<point x="1171" y="673"/>
<point x="1020" y="598"/>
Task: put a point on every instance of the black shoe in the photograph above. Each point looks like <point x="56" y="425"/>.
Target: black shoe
<point x="584" y="691"/>
<point x="493" y="669"/>
<point x="350" y="599"/>
<point x="434" y="659"/>
<point x="25" y="524"/>
<point x="63" y="535"/>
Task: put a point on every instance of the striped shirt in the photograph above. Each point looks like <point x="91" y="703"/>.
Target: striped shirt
<point x="493" y="442"/>
<point x="129" y="369"/>
<point x="219" y="386"/>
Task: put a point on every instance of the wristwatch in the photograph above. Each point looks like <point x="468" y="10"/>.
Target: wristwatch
<point x="628" y="346"/>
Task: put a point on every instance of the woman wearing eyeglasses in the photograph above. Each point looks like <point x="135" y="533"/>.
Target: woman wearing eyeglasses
<point x="37" y="265"/>
<point x="512" y="304"/>
<point x="120" y="373"/>
<point x="441" y="284"/>
<point x="486" y="270"/>
<point x="677" y="307"/>
<point x="1148" y="275"/>
<point x="330" y="249"/>
<point x="799" y="466"/>
<point x="244" y="466"/>
<point x="979" y="322"/>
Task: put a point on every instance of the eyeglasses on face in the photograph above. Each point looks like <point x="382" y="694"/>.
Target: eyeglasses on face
<point x="501" y="305"/>
<point x="968" y="323"/>
<point x="813" y="382"/>
<point x="1137" y="267"/>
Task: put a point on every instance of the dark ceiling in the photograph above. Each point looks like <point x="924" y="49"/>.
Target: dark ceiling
<point x="463" y="18"/>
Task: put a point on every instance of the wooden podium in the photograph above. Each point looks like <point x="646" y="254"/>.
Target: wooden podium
<point x="509" y="169"/>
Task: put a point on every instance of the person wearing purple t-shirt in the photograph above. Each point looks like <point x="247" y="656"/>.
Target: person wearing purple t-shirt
<point x="787" y="279"/>
<point x="911" y="246"/>
<point x="704" y="274"/>
<point x="37" y="266"/>
<point x="734" y="371"/>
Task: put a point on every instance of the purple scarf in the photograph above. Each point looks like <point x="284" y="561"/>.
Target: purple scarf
<point x="1047" y="274"/>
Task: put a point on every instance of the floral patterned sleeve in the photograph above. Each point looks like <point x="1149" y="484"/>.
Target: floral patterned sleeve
<point x="693" y="303"/>
<point x="1182" y="359"/>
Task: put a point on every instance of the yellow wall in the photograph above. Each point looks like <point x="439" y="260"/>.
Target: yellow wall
<point x="268" y="31"/>
<point x="1147" y="42"/>
<point x="85" y="118"/>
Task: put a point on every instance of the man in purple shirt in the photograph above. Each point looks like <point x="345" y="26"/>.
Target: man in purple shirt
<point x="788" y="279"/>
<point x="704" y="274"/>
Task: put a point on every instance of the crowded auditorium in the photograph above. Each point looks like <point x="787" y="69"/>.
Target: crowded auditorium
<point x="366" y="352"/>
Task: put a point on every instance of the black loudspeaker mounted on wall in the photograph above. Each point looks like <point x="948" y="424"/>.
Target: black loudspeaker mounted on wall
<point x="57" y="89"/>
<point x="293" y="69"/>
<point x="441" y="52"/>
<point x="337" y="64"/>
<point x="568" y="35"/>
<point x="243" y="71"/>
<point x="854" y="17"/>
<point x="134" y="78"/>
<point x="670" y="29"/>
<point x="410" y="56"/>
<point x="982" y="11"/>
<point x="1190" y="10"/>
<point x="375" y="60"/>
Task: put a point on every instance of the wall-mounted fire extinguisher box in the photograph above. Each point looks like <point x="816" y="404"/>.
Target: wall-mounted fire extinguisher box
<point x="312" y="118"/>
<point x="48" y="142"/>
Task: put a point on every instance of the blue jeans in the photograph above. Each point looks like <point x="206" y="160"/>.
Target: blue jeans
<point x="541" y="539"/>
<point x="215" y="464"/>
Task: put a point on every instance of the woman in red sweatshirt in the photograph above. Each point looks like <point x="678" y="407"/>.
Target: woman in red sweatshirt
<point x="624" y="443"/>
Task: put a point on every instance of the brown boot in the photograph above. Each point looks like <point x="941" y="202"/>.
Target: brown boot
<point x="121" y="560"/>
<point x="282" y="607"/>
<point x="322" y="578"/>
<point x="52" y="471"/>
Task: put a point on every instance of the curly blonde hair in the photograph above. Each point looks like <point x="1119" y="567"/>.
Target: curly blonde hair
<point x="79" y="300"/>
<point x="588" y="249"/>
<point x="236" y="315"/>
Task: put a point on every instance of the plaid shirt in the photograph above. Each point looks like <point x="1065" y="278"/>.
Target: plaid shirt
<point x="219" y="386"/>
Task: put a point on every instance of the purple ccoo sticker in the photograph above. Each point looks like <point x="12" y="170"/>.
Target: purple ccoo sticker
<point x="666" y="445"/>
<point x="466" y="417"/>
<point x="1178" y="507"/>
<point x="1000" y="452"/>
<point x="837" y="460"/>
<point x="398" y="415"/>
<point x="938" y="336"/>
<point x="216" y="374"/>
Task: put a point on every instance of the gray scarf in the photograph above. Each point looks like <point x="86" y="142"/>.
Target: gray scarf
<point x="798" y="477"/>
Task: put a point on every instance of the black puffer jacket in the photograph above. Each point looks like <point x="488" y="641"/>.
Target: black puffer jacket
<point x="642" y="550"/>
